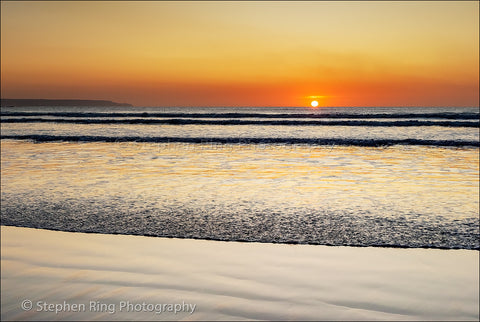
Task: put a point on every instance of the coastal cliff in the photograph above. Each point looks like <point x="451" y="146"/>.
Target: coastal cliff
<point x="9" y="102"/>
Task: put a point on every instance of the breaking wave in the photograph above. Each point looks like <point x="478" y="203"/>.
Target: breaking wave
<point x="449" y="116"/>
<point x="191" y="121"/>
<point x="246" y="140"/>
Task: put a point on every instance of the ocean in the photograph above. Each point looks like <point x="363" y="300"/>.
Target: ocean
<point x="381" y="177"/>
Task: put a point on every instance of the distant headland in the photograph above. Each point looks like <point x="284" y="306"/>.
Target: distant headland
<point x="14" y="102"/>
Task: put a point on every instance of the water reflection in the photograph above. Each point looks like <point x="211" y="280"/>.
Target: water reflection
<point x="241" y="186"/>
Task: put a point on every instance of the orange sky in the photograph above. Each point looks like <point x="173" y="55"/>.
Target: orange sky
<point x="159" y="53"/>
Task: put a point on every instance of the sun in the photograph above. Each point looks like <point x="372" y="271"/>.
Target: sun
<point x="314" y="103"/>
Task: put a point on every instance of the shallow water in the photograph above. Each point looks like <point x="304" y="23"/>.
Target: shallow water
<point x="407" y="196"/>
<point x="384" y="184"/>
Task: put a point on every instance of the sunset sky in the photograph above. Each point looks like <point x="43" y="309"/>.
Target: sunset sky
<point x="159" y="53"/>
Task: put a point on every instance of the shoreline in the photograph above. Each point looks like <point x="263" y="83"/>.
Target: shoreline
<point x="288" y="243"/>
<point x="229" y="280"/>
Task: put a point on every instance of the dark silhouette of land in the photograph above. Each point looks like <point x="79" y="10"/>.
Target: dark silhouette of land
<point x="14" y="102"/>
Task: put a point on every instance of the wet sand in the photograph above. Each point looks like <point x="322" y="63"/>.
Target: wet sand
<point x="77" y="276"/>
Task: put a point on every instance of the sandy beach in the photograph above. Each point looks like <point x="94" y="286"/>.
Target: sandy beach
<point x="76" y="276"/>
<point x="240" y="160"/>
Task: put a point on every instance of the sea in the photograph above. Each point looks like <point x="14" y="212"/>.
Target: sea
<point x="379" y="177"/>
